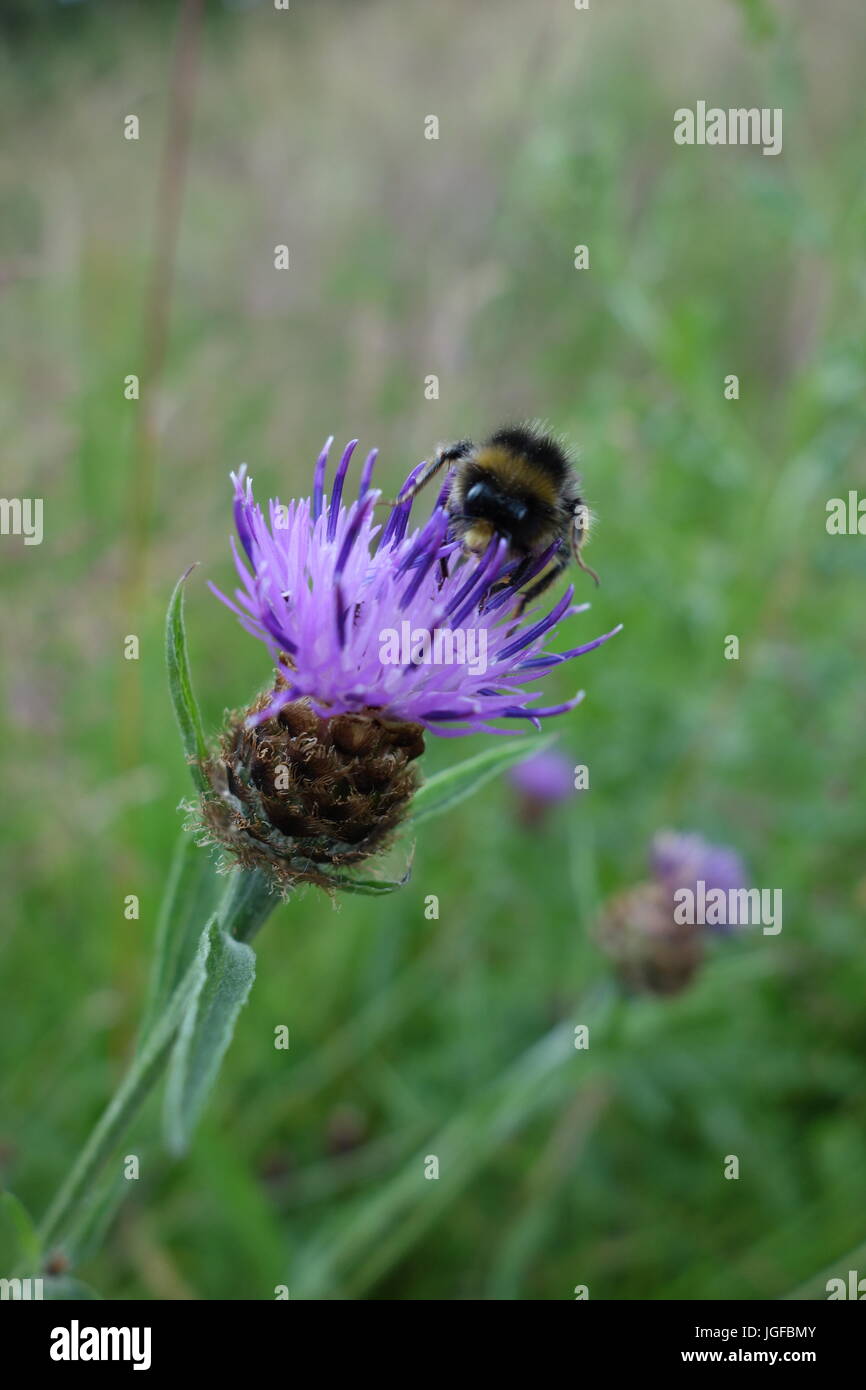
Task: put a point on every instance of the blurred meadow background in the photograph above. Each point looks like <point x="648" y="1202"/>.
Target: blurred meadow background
<point x="410" y="257"/>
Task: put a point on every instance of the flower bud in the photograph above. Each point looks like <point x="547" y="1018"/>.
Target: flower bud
<point x="653" y="953"/>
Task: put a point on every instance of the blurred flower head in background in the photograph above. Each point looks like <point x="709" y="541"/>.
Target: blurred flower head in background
<point x="682" y="861"/>
<point x="653" y="952"/>
<point x="542" y="782"/>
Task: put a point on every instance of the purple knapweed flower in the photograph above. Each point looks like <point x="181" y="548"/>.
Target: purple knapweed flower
<point x="378" y="633"/>
<point x="344" y="600"/>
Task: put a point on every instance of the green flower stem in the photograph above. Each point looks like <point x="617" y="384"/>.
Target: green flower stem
<point x="245" y="906"/>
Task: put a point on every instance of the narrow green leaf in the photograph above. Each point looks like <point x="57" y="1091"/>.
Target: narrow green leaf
<point x="445" y="789"/>
<point x="20" y="1246"/>
<point x="368" y="887"/>
<point x="180" y="685"/>
<point x="189" y="899"/>
<point x="226" y="970"/>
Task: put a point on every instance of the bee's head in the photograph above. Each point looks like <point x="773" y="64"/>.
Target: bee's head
<point x="486" y="500"/>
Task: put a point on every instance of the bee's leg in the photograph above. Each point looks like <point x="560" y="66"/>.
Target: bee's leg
<point x="513" y="580"/>
<point x="450" y="454"/>
<point x="558" y="564"/>
<point x="443" y="571"/>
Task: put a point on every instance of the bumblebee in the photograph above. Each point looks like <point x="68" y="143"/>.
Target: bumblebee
<point x="519" y="484"/>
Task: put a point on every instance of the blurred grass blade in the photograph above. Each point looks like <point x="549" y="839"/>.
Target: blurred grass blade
<point x="62" y="1289"/>
<point x="20" y="1246"/>
<point x="386" y="1226"/>
<point x="451" y="786"/>
<point x="180" y="685"/>
<point x="816" y="1288"/>
<point x="226" y="970"/>
<point x="761" y="21"/>
<point x="189" y="899"/>
<point x="82" y="1180"/>
<point x="87" y="1232"/>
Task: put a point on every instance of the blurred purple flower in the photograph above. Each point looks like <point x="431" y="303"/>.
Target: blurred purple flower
<point x="655" y="951"/>
<point x="321" y="581"/>
<point x="680" y="861"/>
<point x="541" y="782"/>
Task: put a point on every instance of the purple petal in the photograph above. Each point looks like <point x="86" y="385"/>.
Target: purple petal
<point x="362" y="511"/>
<point x="367" y="472"/>
<point x="538" y="629"/>
<point x="334" y="504"/>
<point x="319" y="478"/>
<point x="242" y="505"/>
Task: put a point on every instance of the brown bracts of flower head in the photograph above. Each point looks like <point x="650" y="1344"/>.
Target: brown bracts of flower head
<point x="301" y="796"/>
<point x="652" y="952"/>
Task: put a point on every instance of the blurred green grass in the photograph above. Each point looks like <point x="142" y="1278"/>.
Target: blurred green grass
<point x="454" y="257"/>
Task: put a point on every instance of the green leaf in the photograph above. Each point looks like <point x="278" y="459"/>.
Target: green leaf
<point x="445" y="789"/>
<point x="366" y="887"/>
<point x="369" y="887"/>
<point x="189" y="899"/>
<point x="20" y="1246"/>
<point x="226" y="970"/>
<point x="184" y="701"/>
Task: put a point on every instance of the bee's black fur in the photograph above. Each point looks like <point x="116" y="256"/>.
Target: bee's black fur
<point x="518" y="480"/>
<point x="518" y="483"/>
<point x="541" y="449"/>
